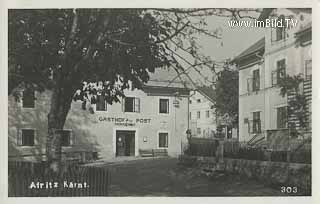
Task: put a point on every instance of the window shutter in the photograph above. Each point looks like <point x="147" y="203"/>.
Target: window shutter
<point x="137" y="105"/>
<point x="35" y="137"/>
<point x="19" y="137"/>
<point x="72" y="138"/>
<point x="123" y="103"/>
<point x="258" y="81"/>
<point x="273" y="78"/>
<point x="168" y="106"/>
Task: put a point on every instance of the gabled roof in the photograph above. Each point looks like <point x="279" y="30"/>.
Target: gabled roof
<point x="304" y="28"/>
<point x="254" y="48"/>
<point x="208" y="92"/>
<point x="168" y="77"/>
<point x="260" y="44"/>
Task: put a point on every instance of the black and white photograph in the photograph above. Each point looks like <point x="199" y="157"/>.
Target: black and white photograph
<point x="159" y="102"/>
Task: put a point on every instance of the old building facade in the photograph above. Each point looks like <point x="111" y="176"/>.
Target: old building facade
<point x="202" y="114"/>
<point x="155" y="117"/>
<point x="282" y="51"/>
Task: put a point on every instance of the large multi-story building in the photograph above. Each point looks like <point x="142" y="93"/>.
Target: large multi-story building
<point x="263" y="117"/>
<point x="155" y="117"/>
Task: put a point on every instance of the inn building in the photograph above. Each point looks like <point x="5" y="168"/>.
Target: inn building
<point x="263" y="116"/>
<point x="152" y="119"/>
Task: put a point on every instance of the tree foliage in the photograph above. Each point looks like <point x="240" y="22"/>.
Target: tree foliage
<point x="297" y="104"/>
<point x="80" y="53"/>
<point x="227" y="95"/>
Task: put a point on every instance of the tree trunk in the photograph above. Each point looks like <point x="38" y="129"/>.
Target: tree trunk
<point x="60" y="105"/>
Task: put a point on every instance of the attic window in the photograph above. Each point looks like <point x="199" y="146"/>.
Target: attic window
<point x="199" y="100"/>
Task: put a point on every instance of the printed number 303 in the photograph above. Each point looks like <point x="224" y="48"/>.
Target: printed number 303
<point x="289" y="189"/>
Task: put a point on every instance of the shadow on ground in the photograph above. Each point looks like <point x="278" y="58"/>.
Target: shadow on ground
<point x="164" y="177"/>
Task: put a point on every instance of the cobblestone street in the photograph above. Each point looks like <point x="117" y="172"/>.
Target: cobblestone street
<point x="164" y="177"/>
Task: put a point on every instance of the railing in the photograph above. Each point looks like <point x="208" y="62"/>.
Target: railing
<point x="28" y="179"/>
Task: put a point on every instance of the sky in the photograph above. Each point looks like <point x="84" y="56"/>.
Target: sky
<point x="232" y="43"/>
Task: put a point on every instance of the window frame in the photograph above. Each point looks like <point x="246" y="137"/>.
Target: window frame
<point x="283" y="120"/>
<point x="199" y="131"/>
<point x="198" y="114"/>
<point x="134" y="105"/>
<point x="256" y="121"/>
<point x="207" y="114"/>
<point x="158" y="139"/>
<point x="34" y="99"/>
<point x="168" y="105"/>
<point x="255" y="80"/>
<point x="20" y="134"/>
<point x="281" y="29"/>
<point x="105" y="104"/>
<point x="276" y="73"/>
<point x="71" y="138"/>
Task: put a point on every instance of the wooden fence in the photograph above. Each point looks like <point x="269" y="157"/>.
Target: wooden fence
<point x="28" y="179"/>
<point x="202" y="147"/>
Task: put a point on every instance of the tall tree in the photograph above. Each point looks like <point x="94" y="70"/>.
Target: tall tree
<point x="77" y="53"/>
<point x="227" y="96"/>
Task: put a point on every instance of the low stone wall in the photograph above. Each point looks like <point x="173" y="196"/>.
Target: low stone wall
<point x="280" y="174"/>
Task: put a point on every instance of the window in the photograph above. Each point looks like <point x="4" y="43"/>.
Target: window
<point x="256" y="123"/>
<point x="65" y="138"/>
<point x="163" y="140"/>
<point x="280" y="72"/>
<point x="207" y="114"/>
<point x="190" y="101"/>
<point x="101" y="103"/>
<point x="229" y="132"/>
<point x="198" y="114"/>
<point x="131" y="104"/>
<point x="282" y="117"/>
<point x="27" y="137"/>
<point x="199" y="131"/>
<point x="308" y="68"/>
<point x="256" y="80"/>
<point x="164" y="105"/>
<point x="280" y="31"/>
<point x="199" y="100"/>
<point x="28" y="98"/>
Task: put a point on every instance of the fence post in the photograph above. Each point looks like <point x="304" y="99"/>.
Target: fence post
<point x="221" y="149"/>
<point x="288" y="155"/>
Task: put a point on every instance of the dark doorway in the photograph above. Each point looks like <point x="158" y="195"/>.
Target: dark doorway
<point x="125" y="143"/>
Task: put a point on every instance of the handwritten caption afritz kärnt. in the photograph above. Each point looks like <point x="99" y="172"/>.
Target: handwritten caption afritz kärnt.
<point x="56" y="184"/>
